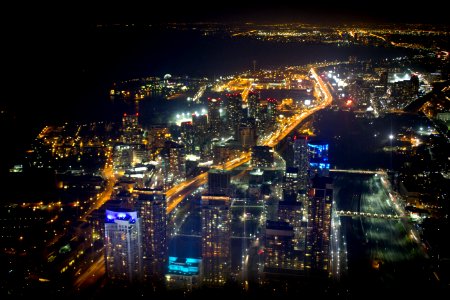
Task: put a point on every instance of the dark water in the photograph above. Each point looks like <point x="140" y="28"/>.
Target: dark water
<point x="67" y="77"/>
<point x="88" y="65"/>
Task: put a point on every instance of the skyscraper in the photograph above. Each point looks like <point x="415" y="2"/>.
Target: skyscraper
<point x="272" y="112"/>
<point x="132" y="133"/>
<point x="151" y="205"/>
<point x="292" y="212"/>
<point x="301" y="161"/>
<point x="318" y="158"/>
<point x="253" y="104"/>
<point x="280" y="255"/>
<point x="247" y="133"/>
<point x="123" y="253"/>
<point x="214" y="121"/>
<point x="319" y="225"/>
<point x="216" y="234"/>
<point x="234" y="112"/>
<point x="188" y="137"/>
<point x="174" y="159"/>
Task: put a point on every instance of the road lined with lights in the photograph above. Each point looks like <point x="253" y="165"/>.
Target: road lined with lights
<point x="177" y="193"/>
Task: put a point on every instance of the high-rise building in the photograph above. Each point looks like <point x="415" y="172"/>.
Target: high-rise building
<point x="132" y="133"/>
<point x="216" y="234"/>
<point x="247" y="133"/>
<point x="319" y="225"/>
<point x="151" y="205"/>
<point x="157" y="135"/>
<point x="219" y="182"/>
<point x="272" y="112"/>
<point x="188" y="137"/>
<point x="253" y="104"/>
<point x="214" y="121"/>
<point x="291" y="180"/>
<point x="123" y="252"/>
<point x="301" y="161"/>
<point x="318" y="158"/>
<point x="292" y="211"/>
<point x="280" y="255"/>
<point x="233" y="112"/>
<point x="262" y="156"/>
<point x="200" y="127"/>
<point x="174" y="159"/>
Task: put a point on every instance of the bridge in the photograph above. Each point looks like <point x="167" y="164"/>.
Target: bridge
<point x="379" y="172"/>
<point x="342" y="213"/>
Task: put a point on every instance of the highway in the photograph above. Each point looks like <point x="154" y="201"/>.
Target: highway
<point x="177" y="193"/>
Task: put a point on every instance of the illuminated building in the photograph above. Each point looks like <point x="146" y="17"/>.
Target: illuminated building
<point x="157" y="135"/>
<point x="224" y="152"/>
<point x="253" y="105"/>
<point x="200" y="127"/>
<point x="183" y="273"/>
<point x="151" y="205"/>
<point x="233" y="112"/>
<point x="123" y="252"/>
<point x="174" y="163"/>
<point x="272" y="112"/>
<point x="219" y="182"/>
<point x="132" y="133"/>
<point x="247" y="133"/>
<point x="301" y="161"/>
<point x="262" y="156"/>
<point x="216" y="234"/>
<point x="291" y="179"/>
<point x="214" y="121"/>
<point x="318" y="157"/>
<point x="292" y="211"/>
<point x="188" y="137"/>
<point x="122" y="157"/>
<point x="280" y="255"/>
<point x="319" y="225"/>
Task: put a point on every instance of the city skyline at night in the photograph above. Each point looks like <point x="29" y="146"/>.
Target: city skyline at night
<point x="281" y="151"/>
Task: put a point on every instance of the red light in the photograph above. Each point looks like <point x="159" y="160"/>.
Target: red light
<point x="260" y="251"/>
<point x="137" y="114"/>
<point x="349" y="102"/>
<point x="124" y="114"/>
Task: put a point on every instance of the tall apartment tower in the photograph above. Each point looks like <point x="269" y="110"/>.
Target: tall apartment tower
<point x="214" y="121"/>
<point x="151" y="205"/>
<point x="123" y="252"/>
<point x="301" y="161"/>
<point x="234" y="112"/>
<point x="216" y="234"/>
<point x="319" y="225"/>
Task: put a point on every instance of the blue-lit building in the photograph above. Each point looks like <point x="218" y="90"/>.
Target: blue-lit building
<point x="318" y="157"/>
<point x="183" y="273"/>
<point x="123" y="255"/>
